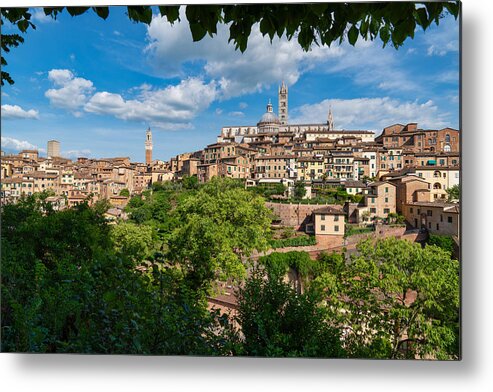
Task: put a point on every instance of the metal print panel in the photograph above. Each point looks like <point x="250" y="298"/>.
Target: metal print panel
<point x="261" y="180"/>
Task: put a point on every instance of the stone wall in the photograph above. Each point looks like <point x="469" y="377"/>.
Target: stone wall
<point x="381" y="231"/>
<point x="295" y="215"/>
<point x="330" y="241"/>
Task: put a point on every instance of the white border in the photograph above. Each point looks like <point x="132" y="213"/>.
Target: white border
<point x="126" y="373"/>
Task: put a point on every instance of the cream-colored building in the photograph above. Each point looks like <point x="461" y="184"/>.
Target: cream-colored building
<point x="329" y="221"/>
<point x="437" y="217"/>
<point x="440" y="179"/>
<point x="311" y="168"/>
<point x="275" y="166"/>
<point x="381" y="199"/>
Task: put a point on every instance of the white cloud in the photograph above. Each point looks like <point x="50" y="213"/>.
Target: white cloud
<point x="260" y="66"/>
<point x="448" y="77"/>
<point x="219" y="111"/>
<point x="72" y="57"/>
<point x="243" y="105"/>
<point x="236" y="114"/>
<point x="39" y="16"/>
<point x="263" y="64"/>
<point x="16" y="144"/>
<point x="15" y="111"/>
<point x="76" y="153"/>
<point x="172" y="107"/>
<point x="444" y="38"/>
<point x="372" y="113"/>
<point x="72" y="92"/>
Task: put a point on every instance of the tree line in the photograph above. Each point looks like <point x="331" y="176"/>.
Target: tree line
<point x="72" y="283"/>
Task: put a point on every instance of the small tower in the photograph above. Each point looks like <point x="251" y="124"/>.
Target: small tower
<point x="283" y="104"/>
<point x="148" y="146"/>
<point x="330" y="120"/>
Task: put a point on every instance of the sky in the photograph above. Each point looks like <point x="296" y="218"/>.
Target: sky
<point x="96" y="85"/>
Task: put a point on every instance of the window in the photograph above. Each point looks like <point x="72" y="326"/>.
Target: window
<point x="429" y="213"/>
<point x="386" y="200"/>
<point x="386" y="210"/>
<point x="322" y="217"/>
<point x="336" y="218"/>
<point x="386" y="189"/>
<point x="322" y="227"/>
<point x="429" y="225"/>
<point x="447" y="138"/>
<point x="441" y="218"/>
<point x="411" y="210"/>
<point x="336" y="228"/>
<point x="373" y="210"/>
<point x="438" y="227"/>
<point x="449" y="219"/>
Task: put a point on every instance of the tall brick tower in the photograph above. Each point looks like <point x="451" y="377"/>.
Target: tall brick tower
<point x="283" y="104"/>
<point x="148" y="145"/>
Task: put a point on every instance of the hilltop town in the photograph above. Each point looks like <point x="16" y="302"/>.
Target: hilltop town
<point x="404" y="171"/>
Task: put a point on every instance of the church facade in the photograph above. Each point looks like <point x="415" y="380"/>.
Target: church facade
<point x="271" y="124"/>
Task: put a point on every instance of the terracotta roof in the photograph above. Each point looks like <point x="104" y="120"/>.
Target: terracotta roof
<point x="329" y="211"/>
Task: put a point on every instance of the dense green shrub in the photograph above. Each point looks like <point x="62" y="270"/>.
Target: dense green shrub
<point x="295" y="241"/>
<point x="443" y="241"/>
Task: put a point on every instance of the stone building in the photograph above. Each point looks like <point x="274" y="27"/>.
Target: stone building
<point x="437" y="218"/>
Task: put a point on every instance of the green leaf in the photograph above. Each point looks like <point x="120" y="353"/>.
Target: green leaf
<point x="102" y="12"/>
<point x="384" y="34"/>
<point x="198" y="32"/>
<point x="171" y="12"/>
<point x="140" y="14"/>
<point x="422" y="18"/>
<point x="23" y="25"/>
<point x="364" y="28"/>
<point x="74" y="11"/>
<point x="318" y="8"/>
<point x="353" y="35"/>
<point x="453" y="8"/>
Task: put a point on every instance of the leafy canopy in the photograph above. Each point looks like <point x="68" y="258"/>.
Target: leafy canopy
<point x="399" y="300"/>
<point x="277" y="322"/>
<point x="309" y="24"/>
<point x="215" y="228"/>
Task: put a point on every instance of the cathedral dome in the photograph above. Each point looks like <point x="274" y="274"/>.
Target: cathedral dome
<point x="268" y="117"/>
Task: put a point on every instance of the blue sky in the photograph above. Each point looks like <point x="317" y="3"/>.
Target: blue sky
<point x="96" y="85"/>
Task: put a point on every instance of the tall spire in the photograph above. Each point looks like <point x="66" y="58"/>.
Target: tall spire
<point x="148" y="146"/>
<point x="330" y="119"/>
<point x="283" y="103"/>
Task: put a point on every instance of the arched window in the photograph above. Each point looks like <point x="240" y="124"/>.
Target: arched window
<point x="437" y="185"/>
<point x="447" y="138"/>
<point x="436" y="174"/>
<point x="446" y="148"/>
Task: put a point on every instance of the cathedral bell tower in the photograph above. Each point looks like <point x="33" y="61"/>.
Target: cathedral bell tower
<point x="283" y="104"/>
<point x="148" y="146"/>
<point x="330" y="120"/>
